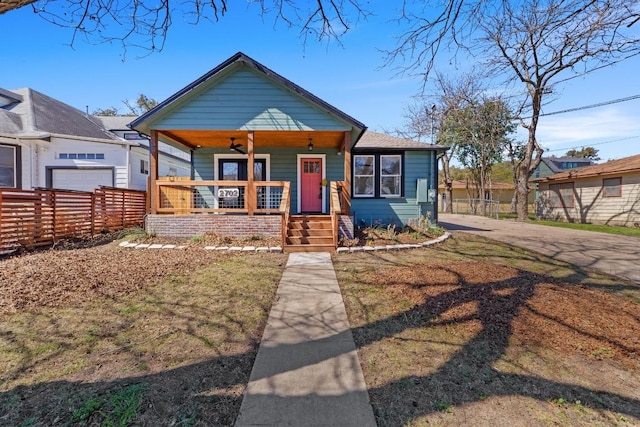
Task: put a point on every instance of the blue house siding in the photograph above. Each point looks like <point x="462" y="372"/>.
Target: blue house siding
<point x="399" y="210"/>
<point x="282" y="166"/>
<point x="245" y="100"/>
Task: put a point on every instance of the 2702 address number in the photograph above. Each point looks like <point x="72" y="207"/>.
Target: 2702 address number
<point x="228" y="193"/>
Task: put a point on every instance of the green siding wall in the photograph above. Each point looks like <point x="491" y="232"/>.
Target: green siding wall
<point x="244" y="99"/>
<point x="384" y="211"/>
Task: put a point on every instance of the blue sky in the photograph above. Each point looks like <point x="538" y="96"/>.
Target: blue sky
<point x="349" y="75"/>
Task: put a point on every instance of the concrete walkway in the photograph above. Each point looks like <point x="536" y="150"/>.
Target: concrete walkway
<point x="307" y="371"/>
<point x="608" y="253"/>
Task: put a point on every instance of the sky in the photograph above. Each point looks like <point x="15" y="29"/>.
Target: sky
<point x="349" y="75"/>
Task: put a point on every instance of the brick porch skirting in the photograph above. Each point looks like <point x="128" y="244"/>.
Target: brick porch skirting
<point x="186" y="226"/>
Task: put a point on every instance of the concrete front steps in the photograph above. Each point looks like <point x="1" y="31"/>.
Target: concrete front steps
<point x="309" y="233"/>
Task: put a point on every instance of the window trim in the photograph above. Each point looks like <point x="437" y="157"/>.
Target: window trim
<point x="617" y="187"/>
<point x="377" y="174"/>
<point x="17" y="163"/>
<point x="373" y="176"/>
<point x="144" y="167"/>
<point x="399" y="175"/>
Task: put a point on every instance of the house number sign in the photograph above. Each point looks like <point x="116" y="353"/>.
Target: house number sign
<point x="228" y="193"/>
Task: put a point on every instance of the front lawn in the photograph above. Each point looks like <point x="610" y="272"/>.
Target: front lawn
<point x="114" y="336"/>
<point x="478" y="333"/>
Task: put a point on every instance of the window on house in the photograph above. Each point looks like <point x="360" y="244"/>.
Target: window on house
<point x="144" y="167"/>
<point x="377" y="175"/>
<point x="81" y="156"/>
<point x="364" y="167"/>
<point x="612" y="187"/>
<point x="561" y="195"/>
<point x="8" y="166"/>
<point x="390" y="175"/>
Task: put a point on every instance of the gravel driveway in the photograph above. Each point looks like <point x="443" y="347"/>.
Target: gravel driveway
<point x="608" y="253"/>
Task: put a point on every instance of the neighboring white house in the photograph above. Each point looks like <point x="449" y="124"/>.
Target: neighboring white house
<point x="47" y="143"/>
<point x="606" y="193"/>
<point x="171" y="161"/>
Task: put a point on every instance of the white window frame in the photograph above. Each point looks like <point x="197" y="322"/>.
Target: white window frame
<point x="399" y="176"/>
<point x="144" y="167"/>
<point x="373" y="169"/>
<point x="15" y="165"/>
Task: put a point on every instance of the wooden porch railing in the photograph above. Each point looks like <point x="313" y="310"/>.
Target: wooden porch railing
<point x="285" y="209"/>
<point x="188" y="196"/>
<point x="335" y="210"/>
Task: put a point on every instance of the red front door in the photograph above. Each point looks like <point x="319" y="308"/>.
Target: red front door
<point x="311" y="185"/>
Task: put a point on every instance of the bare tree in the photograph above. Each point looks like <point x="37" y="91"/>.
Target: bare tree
<point x="535" y="44"/>
<point x="145" y="24"/>
<point x="432" y="118"/>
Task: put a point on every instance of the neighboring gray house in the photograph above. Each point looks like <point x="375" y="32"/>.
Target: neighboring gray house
<point x="550" y="165"/>
<point x="49" y="144"/>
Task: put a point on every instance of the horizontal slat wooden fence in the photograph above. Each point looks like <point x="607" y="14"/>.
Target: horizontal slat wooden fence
<point x="33" y="218"/>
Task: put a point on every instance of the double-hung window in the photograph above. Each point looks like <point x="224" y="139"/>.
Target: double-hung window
<point x="390" y="175"/>
<point x="8" y="166"/>
<point x="364" y="175"/>
<point x="377" y="175"/>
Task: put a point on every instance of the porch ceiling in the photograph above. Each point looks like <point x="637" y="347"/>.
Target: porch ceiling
<point x="222" y="138"/>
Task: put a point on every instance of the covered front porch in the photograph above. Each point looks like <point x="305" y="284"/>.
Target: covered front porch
<point x="248" y="183"/>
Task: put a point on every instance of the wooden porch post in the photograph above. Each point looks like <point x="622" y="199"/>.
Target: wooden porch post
<point x="250" y="194"/>
<point x="347" y="173"/>
<point x="153" y="172"/>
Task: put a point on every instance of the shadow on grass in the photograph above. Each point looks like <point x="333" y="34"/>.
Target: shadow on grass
<point x="470" y="375"/>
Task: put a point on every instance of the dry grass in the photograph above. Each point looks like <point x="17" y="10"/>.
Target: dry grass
<point x="80" y="326"/>
<point x="478" y="333"/>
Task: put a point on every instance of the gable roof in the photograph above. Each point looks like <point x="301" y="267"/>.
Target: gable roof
<point x="36" y="115"/>
<point x="145" y="122"/>
<point x="620" y="166"/>
<point x="383" y="142"/>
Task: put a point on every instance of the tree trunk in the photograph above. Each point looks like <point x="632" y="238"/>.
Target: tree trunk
<point x="448" y="183"/>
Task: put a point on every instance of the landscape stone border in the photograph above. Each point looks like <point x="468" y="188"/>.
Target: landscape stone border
<point x="340" y="250"/>
<point x="344" y="250"/>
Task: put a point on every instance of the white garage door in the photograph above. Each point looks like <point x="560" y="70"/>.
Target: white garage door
<point x="81" y="179"/>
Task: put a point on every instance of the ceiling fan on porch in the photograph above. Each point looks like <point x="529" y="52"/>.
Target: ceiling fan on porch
<point x="235" y="147"/>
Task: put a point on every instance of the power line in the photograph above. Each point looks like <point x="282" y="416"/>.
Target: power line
<point x="597" y="143"/>
<point x="586" y="107"/>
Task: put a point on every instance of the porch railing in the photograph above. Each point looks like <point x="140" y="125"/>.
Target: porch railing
<point x="285" y="208"/>
<point x="180" y="196"/>
<point x="335" y="208"/>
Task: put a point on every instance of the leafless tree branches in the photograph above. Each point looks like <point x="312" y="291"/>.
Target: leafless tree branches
<point x="145" y="24"/>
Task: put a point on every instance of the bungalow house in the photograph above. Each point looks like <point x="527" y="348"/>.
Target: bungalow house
<point x="270" y="158"/>
<point x="606" y="193"/>
<point x="45" y="143"/>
